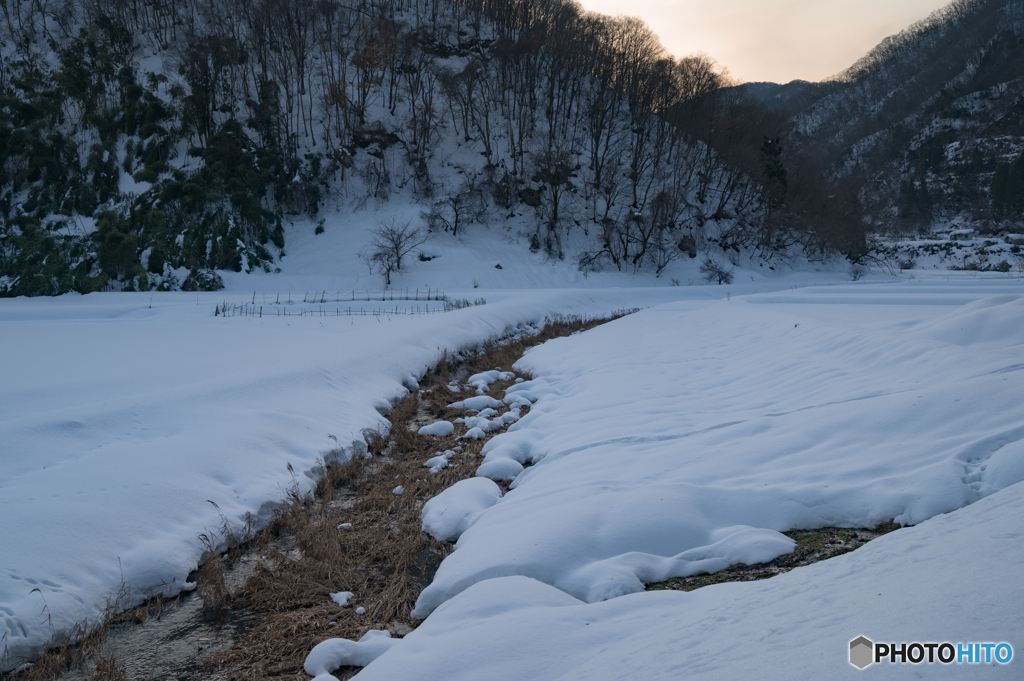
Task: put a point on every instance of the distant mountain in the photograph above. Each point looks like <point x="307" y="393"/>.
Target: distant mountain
<point x="928" y="127"/>
<point x="787" y="97"/>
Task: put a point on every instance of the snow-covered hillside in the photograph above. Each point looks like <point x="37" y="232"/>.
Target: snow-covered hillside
<point x="926" y="126"/>
<point x="149" y="147"/>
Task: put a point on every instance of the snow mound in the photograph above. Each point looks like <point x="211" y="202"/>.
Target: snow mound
<point x="526" y="393"/>
<point x="991" y="323"/>
<point x="436" y="463"/>
<point x="339" y="652"/>
<point x="478" y="403"/>
<point x="438" y="429"/>
<point x="342" y="598"/>
<point x="439" y="460"/>
<point x="483" y="380"/>
<point x="450" y="513"/>
<point x="500" y="469"/>
<point x="510" y="416"/>
<point x="887" y="590"/>
<point x="627" y="573"/>
<point x="484" y="424"/>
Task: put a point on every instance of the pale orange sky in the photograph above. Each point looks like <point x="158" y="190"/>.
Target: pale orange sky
<point x="774" y="40"/>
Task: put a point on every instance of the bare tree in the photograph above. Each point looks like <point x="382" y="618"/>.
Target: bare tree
<point x="392" y="241"/>
<point x="460" y="207"/>
<point x="712" y="271"/>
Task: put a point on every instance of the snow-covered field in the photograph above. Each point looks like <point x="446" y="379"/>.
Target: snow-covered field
<point x="121" y="415"/>
<point x="679" y="439"/>
<point x="686" y="437"/>
<point x="954" y="578"/>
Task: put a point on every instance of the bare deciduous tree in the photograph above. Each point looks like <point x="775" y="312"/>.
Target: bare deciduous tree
<point x="712" y="271"/>
<point x="392" y="241"/>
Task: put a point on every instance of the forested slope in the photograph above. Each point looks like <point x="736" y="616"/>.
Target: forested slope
<point x="927" y="129"/>
<point x="148" y="143"/>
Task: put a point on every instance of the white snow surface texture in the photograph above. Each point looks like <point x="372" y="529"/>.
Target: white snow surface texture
<point x="676" y="440"/>
<point x="685" y="437"/>
<point x="955" y="577"/>
<point x="447" y="515"/>
<point x="335" y="652"/>
<point x="120" y="417"/>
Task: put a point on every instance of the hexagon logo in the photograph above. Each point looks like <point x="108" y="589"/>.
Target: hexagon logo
<point x="862" y="652"/>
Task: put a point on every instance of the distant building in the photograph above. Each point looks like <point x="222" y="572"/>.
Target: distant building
<point x="962" y="235"/>
<point x="1015" y="239"/>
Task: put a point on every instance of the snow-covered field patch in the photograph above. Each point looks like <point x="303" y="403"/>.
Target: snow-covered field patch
<point x="679" y="440"/>
<point x="123" y="415"/>
<point x="685" y="438"/>
<point x="955" y="577"/>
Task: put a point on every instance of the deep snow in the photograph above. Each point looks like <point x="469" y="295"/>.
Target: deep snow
<point x="682" y="440"/>
<point x="122" y="415"/>
<point x="954" y="578"/>
<point x="685" y="437"/>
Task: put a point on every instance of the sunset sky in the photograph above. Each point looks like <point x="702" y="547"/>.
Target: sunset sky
<point x="774" y="40"/>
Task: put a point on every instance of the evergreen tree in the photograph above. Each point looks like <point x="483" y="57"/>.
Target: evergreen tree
<point x="776" y="182"/>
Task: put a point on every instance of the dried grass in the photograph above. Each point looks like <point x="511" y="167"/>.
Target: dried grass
<point x="383" y="557"/>
<point x="73" y="649"/>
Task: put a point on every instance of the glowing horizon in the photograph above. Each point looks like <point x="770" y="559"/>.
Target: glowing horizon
<point x="774" y="40"/>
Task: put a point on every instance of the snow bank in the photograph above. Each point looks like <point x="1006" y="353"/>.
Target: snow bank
<point x="655" y="437"/>
<point x="447" y="515"/>
<point x="952" y="578"/>
<point x="338" y="652"/>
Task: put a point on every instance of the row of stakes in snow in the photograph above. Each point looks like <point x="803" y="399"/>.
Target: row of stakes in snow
<point x="251" y="309"/>
<point x="247" y="310"/>
<point x="388" y="294"/>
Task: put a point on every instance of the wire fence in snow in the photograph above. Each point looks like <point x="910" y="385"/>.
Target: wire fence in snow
<point x="321" y="300"/>
<point x="322" y="297"/>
